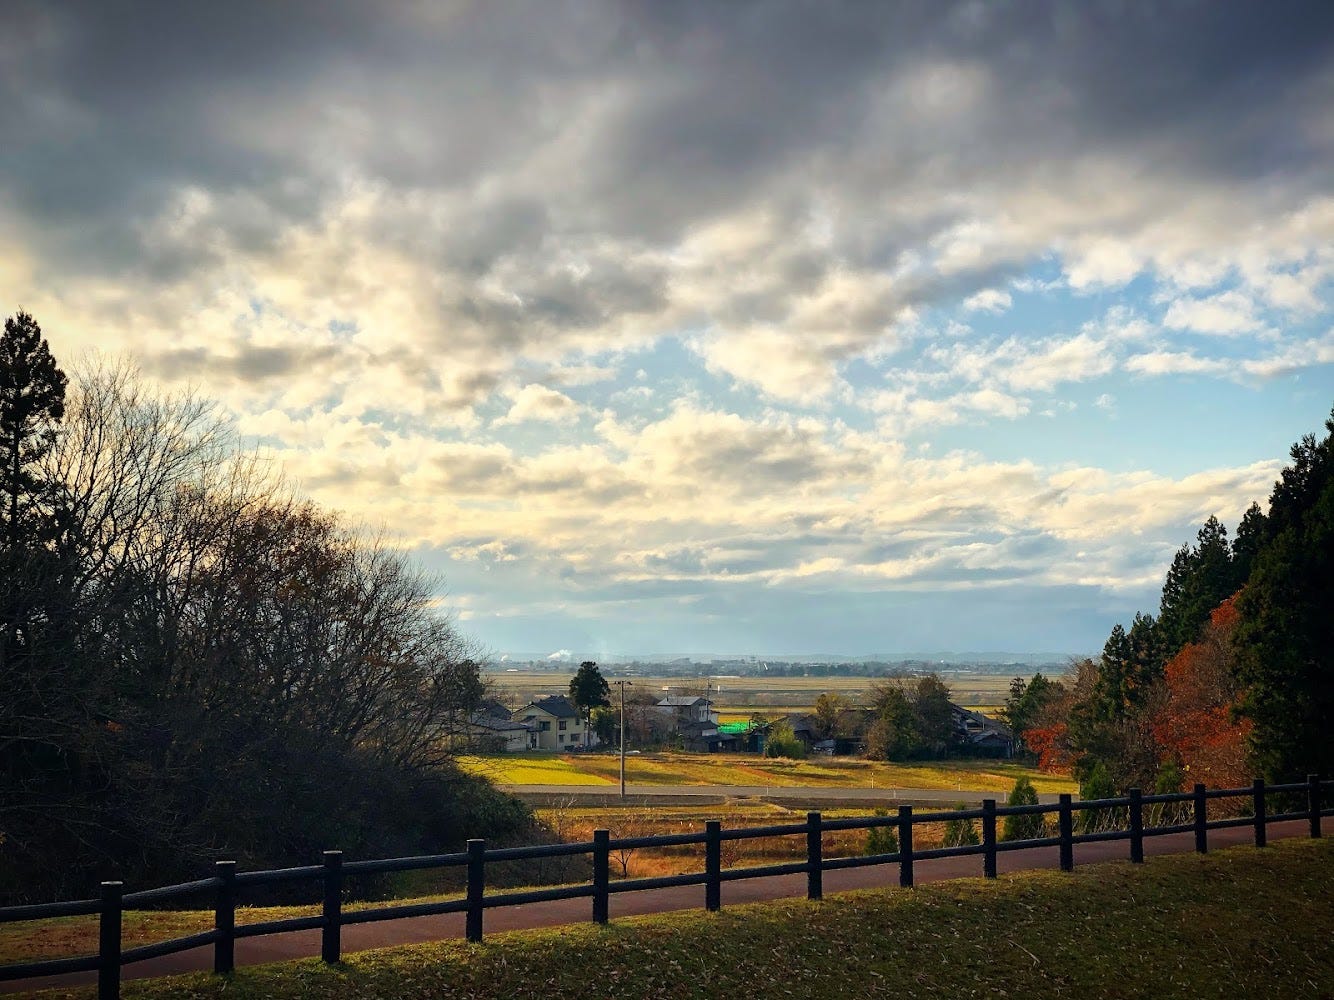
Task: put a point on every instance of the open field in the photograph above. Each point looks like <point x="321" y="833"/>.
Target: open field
<point x="742" y="696"/>
<point x="1234" y="923"/>
<point x="669" y="768"/>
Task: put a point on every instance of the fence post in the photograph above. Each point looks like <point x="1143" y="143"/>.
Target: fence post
<point x="989" y="838"/>
<point x="1065" y="824"/>
<point x="108" y="942"/>
<point x="1313" y="802"/>
<point x="905" y="847"/>
<point x="224" y="918"/>
<point x="713" y="865"/>
<point x="1136" y="827"/>
<point x="331" y="934"/>
<point x="476" y="887"/>
<point x="1259" y="793"/>
<point x="814" y="858"/>
<point x="1201" y="821"/>
<point x="601" y="874"/>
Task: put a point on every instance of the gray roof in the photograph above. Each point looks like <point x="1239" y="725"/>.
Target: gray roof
<point x="683" y="701"/>
<point x="496" y="723"/>
<point x="557" y="705"/>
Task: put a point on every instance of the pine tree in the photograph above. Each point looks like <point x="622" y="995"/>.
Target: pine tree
<point x="1252" y="533"/>
<point x="32" y="404"/>
<point x="1026" y="827"/>
<point x="1285" y="633"/>
<point x="1200" y="579"/>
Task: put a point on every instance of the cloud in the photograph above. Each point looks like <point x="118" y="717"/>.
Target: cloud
<point x="988" y="300"/>
<point x="410" y="246"/>
<point x="1227" y="314"/>
<point x="537" y="402"/>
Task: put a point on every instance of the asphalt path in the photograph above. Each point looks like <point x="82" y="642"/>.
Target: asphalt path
<point x="360" y="937"/>
<point x="787" y="794"/>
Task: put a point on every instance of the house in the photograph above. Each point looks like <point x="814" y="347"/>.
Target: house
<point x="981" y="735"/>
<point x="688" y="708"/>
<point x="849" y="734"/>
<point x="556" y="724"/>
<point x="694" y="723"/>
<point x="489" y="732"/>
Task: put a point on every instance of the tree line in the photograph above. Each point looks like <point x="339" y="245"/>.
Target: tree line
<point x="195" y="663"/>
<point x="1235" y="674"/>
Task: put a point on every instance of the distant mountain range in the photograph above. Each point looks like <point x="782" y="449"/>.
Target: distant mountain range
<point x="938" y="657"/>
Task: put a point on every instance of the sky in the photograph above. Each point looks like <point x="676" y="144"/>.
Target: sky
<point x="743" y="328"/>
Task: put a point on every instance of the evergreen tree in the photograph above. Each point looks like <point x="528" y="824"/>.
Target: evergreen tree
<point x="960" y="832"/>
<point x="1285" y="634"/>
<point x="32" y="404"/>
<point x="1026" y="827"/>
<point x="882" y="839"/>
<point x="1200" y="579"/>
<point x="1097" y="784"/>
<point x="1027" y="704"/>
<point x="589" y="690"/>
<point x="1115" y="670"/>
<point x="1252" y="533"/>
<point x="894" y="735"/>
<point x="1146" y="659"/>
<point x="935" y="715"/>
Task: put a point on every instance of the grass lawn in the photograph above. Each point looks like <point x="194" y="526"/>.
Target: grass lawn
<point x="533" y="769"/>
<point x="750" y="769"/>
<point x="1235" y="923"/>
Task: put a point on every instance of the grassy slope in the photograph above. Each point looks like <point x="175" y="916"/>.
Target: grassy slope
<point x="751" y="769"/>
<point x="1237" y="923"/>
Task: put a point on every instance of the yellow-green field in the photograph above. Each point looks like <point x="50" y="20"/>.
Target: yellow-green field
<point x="749" y="769"/>
<point x="740" y="697"/>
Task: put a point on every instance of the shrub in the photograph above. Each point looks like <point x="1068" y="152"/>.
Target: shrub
<point x="782" y="743"/>
<point x="882" y="839"/>
<point x="961" y="832"/>
<point x="1023" y="827"/>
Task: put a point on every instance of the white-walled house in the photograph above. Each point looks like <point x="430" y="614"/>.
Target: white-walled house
<point x="492" y="733"/>
<point x="556" y="724"/>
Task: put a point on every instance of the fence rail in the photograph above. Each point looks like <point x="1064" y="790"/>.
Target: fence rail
<point x="226" y="882"/>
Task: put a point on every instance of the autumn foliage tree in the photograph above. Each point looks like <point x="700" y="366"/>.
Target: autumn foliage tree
<point x="1195" y="718"/>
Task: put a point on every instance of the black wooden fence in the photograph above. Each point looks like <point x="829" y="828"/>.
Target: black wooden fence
<point x="227" y="883"/>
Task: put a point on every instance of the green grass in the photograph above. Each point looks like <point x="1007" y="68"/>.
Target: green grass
<point x="1236" y="923"/>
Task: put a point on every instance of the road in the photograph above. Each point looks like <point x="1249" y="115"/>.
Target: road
<point x="787" y="794"/>
<point x="359" y="937"/>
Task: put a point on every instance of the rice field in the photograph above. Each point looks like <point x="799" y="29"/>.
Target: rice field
<point x="673" y="768"/>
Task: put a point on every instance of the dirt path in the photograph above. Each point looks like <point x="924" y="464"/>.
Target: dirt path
<point x="360" y="937"/>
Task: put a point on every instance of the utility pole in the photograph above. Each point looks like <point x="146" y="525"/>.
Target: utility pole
<point x="622" y="685"/>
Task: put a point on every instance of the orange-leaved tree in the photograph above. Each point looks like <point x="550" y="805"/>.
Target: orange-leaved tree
<point x="1195" y="719"/>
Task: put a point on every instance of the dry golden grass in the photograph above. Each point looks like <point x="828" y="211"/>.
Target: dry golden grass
<point x="670" y="768"/>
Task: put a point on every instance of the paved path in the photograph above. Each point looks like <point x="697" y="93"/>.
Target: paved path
<point x="359" y="937"/>
<point x="814" y="795"/>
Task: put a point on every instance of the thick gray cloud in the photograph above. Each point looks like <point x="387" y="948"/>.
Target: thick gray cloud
<point x="386" y="233"/>
<point x="666" y="113"/>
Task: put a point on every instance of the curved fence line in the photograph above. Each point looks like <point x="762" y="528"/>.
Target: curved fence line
<point x="226" y="881"/>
